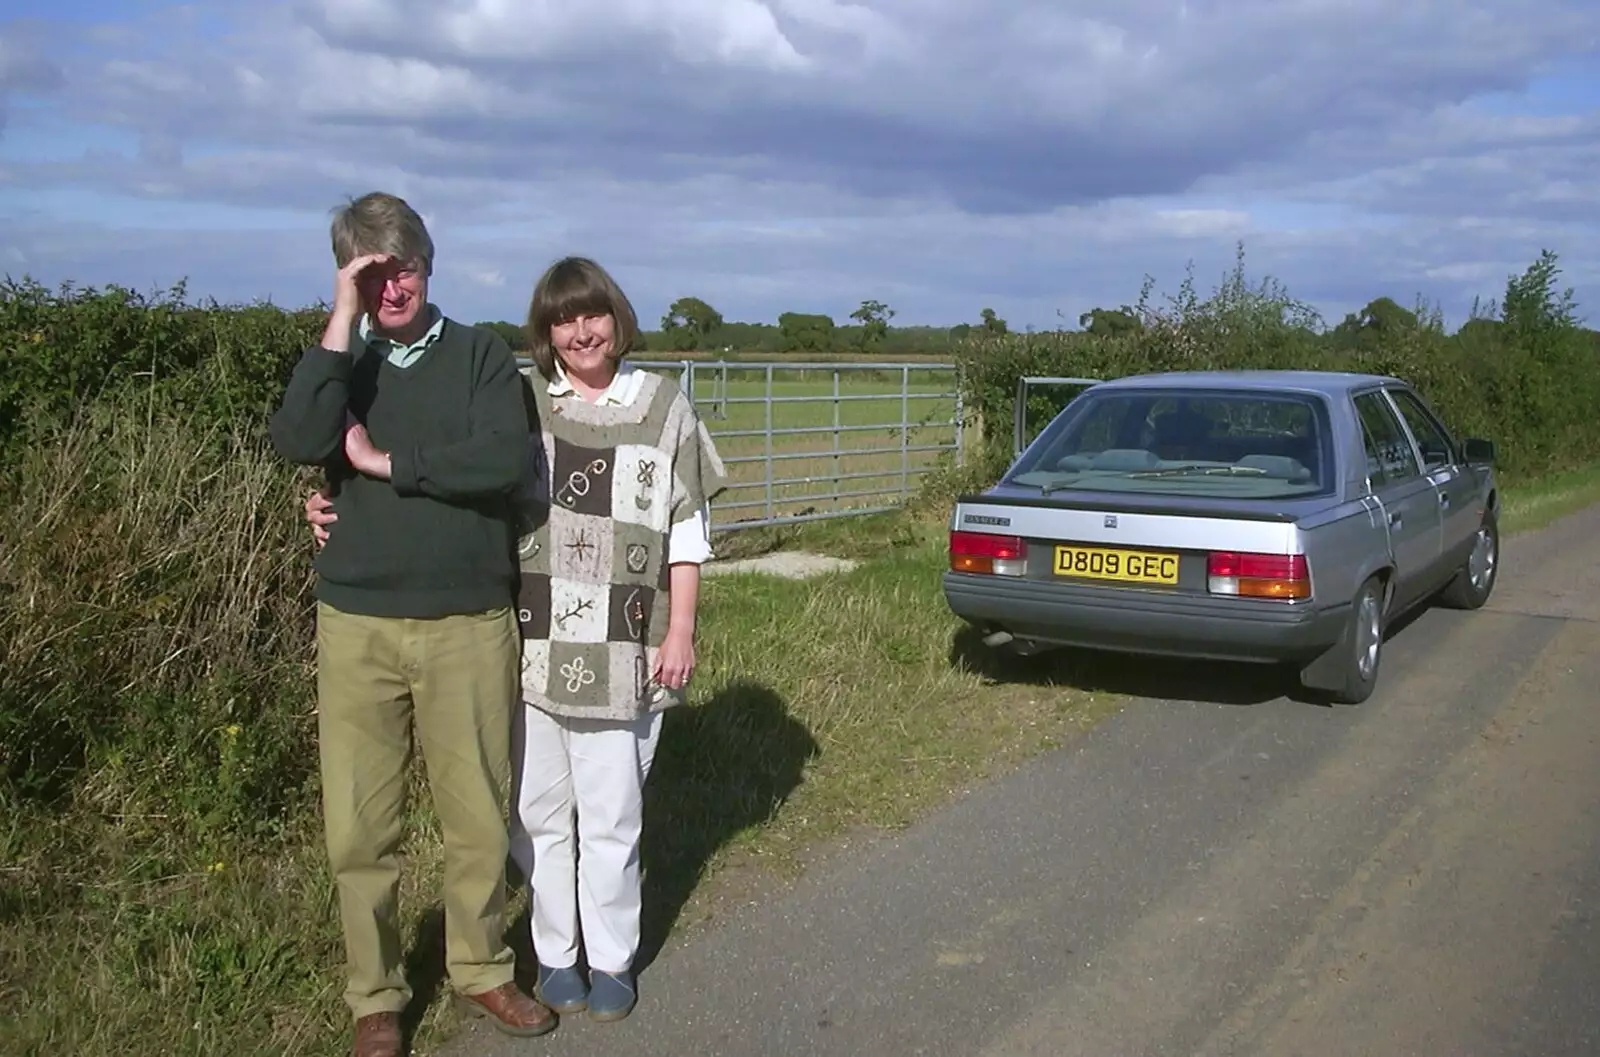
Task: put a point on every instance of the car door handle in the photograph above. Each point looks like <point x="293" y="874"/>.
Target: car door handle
<point x="1394" y="518"/>
<point x="1444" y="499"/>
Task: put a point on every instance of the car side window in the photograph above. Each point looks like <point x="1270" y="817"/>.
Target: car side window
<point x="1375" y="478"/>
<point x="1387" y="443"/>
<point x="1431" y="437"/>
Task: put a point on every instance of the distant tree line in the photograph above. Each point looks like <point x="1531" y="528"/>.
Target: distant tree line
<point x="693" y="325"/>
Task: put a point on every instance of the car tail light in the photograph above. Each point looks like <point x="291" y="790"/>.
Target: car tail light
<point x="980" y="552"/>
<point x="1258" y="575"/>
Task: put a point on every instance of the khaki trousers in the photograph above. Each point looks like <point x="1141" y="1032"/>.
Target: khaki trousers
<point x="453" y="682"/>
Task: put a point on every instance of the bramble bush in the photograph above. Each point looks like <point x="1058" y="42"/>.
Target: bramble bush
<point x="62" y="349"/>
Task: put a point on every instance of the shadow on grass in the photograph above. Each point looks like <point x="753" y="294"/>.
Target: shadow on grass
<point x="720" y="768"/>
<point x="1154" y="678"/>
<point x="425" y="970"/>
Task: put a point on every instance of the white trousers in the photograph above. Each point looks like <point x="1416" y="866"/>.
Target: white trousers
<point x="579" y="812"/>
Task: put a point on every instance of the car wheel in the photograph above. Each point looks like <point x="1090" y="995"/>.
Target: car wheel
<point x="1362" y="646"/>
<point x="1474" y="583"/>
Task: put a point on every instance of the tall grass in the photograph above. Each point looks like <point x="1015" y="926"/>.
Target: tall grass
<point x="155" y="738"/>
<point x="152" y="557"/>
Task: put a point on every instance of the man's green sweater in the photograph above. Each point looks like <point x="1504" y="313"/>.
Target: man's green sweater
<point x="438" y="538"/>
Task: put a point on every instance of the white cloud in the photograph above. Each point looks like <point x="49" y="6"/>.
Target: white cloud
<point x="811" y="153"/>
<point x="733" y="32"/>
<point x="484" y="276"/>
<point x="1213" y="223"/>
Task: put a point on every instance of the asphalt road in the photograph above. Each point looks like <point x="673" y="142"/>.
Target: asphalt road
<point x="1418" y="875"/>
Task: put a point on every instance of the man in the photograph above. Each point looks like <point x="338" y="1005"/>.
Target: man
<point x="421" y="426"/>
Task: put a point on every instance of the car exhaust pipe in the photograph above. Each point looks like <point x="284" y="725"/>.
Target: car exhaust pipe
<point x="997" y="638"/>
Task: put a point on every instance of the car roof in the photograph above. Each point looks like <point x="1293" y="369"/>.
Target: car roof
<point x="1330" y="383"/>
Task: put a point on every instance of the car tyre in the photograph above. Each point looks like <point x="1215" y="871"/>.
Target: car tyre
<point x="1474" y="583"/>
<point x="1359" y="652"/>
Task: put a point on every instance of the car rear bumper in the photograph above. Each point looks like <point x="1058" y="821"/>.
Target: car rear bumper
<point x="1147" y="622"/>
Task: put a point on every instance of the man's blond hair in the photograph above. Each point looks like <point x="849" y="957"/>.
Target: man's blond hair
<point x="381" y="223"/>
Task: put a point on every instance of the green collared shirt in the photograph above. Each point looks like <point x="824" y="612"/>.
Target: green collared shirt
<point x="404" y="355"/>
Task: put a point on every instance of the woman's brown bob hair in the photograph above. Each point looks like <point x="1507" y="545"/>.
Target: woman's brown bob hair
<point x="576" y="286"/>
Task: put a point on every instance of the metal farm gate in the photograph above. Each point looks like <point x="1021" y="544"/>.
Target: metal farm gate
<point x="810" y="441"/>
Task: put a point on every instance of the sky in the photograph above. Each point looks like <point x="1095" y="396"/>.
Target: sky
<point x="1039" y="157"/>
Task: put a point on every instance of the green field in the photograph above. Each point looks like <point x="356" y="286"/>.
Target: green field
<point x="853" y="453"/>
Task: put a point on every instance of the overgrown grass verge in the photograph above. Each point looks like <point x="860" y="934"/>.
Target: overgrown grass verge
<point x="156" y="890"/>
<point x="163" y="888"/>
<point x="1533" y="504"/>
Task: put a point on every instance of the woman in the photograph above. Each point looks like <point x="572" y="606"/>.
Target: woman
<point x="610" y="555"/>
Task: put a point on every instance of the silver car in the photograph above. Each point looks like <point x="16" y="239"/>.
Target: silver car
<point x="1280" y="517"/>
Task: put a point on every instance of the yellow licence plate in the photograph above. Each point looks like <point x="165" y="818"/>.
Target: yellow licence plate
<point x="1100" y="563"/>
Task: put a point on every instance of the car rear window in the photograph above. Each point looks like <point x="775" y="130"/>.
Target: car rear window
<point x="1222" y="443"/>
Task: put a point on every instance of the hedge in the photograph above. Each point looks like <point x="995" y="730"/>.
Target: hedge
<point x="1521" y="372"/>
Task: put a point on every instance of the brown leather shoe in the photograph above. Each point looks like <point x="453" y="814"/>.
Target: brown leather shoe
<point x="377" y="1035"/>
<point x="512" y="1011"/>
